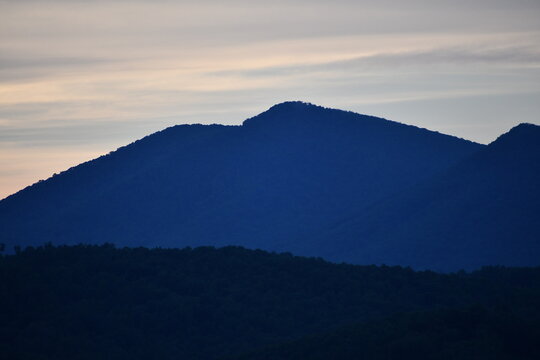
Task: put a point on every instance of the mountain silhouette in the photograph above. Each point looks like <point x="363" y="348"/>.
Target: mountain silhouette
<point x="299" y="178"/>
<point x="483" y="210"/>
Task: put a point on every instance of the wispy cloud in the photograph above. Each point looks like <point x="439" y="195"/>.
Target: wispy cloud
<point x="505" y="57"/>
<point x="83" y="73"/>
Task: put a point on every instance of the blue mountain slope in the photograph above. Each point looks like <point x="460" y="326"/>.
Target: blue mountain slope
<point x="275" y="182"/>
<point x="484" y="210"/>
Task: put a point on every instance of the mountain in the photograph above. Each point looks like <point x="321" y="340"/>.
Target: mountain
<point x="100" y="302"/>
<point x="270" y="183"/>
<point x="483" y="210"/>
<point x="300" y="178"/>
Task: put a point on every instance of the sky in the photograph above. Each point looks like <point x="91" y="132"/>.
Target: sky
<point x="80" y="78"/>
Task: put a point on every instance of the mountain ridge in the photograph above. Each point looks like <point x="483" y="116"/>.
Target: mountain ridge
<point x="298" y="105"/>
<point x="93" y="302"/>
<point x="288" y="108"/>
<point x="276" y="182"/>
<point x="497" y="184"/>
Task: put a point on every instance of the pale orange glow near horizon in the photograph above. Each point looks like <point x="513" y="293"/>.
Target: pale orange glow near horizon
<point x="81" y="78"/>
<point x="25" y="167"/>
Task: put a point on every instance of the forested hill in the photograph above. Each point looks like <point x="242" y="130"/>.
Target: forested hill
<point x="275" y="182"/>
<point x="474" y="332"/>
<point x="99" y="302"/>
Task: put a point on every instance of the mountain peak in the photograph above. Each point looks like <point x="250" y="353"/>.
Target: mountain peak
<point x="524" y="136"/>
<point x="302" y="115"/>
<point x="288" y="111"/>
<point x="525" y="128"/>
<point x="293" y="105"/>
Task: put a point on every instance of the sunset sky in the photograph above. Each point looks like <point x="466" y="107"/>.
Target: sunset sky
<point x="81" y="78"/>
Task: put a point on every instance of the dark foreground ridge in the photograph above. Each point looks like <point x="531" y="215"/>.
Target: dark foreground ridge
<point x="305" y="179"/>
<point x="98" y="302"/>
<point x="469" y="333"/>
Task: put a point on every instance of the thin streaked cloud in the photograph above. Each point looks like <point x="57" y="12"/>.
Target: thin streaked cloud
<point x="97" y="74"/>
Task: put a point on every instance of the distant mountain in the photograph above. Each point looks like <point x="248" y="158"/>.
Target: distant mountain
<point x="299" y="178"/>
<point x="483" y="210"/>
<point x="98" y="302"/>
